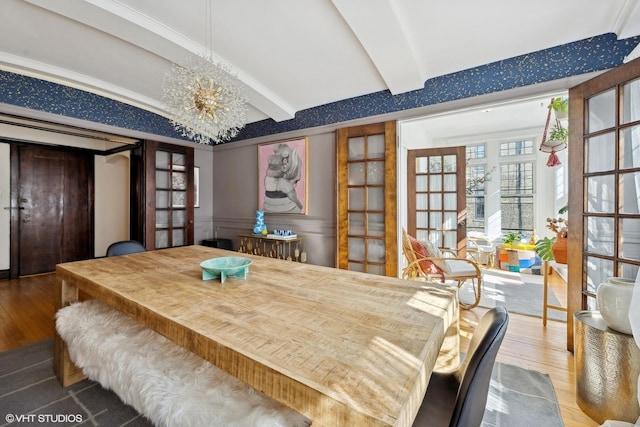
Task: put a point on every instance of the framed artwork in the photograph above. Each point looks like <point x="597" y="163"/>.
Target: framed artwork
<point x="282" y="176"/>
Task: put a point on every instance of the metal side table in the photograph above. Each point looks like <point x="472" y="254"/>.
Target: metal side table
<point x="607" y="365"/>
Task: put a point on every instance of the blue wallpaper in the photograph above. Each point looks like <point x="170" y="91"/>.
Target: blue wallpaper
<point x="584" y="56"/>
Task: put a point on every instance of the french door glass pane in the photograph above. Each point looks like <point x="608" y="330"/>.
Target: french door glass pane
<point x="162" y="179"/>
<point x="375" y="225"/>
<point x="598" y="270"/>
<point x="450" y="182"/>
<point x="422" y="235"/>
<point x="162" y="159"/>
<point x="378" y="269"/>
<point x="356" y="148"/>
<point x="435" y="201"/>
<point x="356" y="249"/>
<point x="375" y="173"/>
<point x="179" y="180"/>
<point x="450" y="164"/>
<point x="422" y="201"/>
<point x="375" y="250"/>
<point x="630" y="230"/>
<point x="375" y="198"/>
<point x="602" y="109"/>
<point x="600" y="153"/>
<point x="162" y="199"/>
<point x="450" y="201"/>
<point x="421" y="183"/>
<point x="179" y="218"/>
<point x="178" y="237"/>
<point x="450" y="239"/>
<point x="162" y="219"/>
<point x="356" y="224"/>
<point x="179" y="199"/>
<point x="601" y="194"/>
<point x="599" y="235"/>
<point x="356" y="266"/>
<point x="435" y="164"/>
<point x="629" y="270"/>
<point x="630" y="148"/>
<point x="356" y="199"/>
<point x="450" y="220"/>
<point x="162" y="239"/>
<point x="421" y="220"/>
<point x="630" y="193"/>
<point x="630" y="104"/>
<point x="375" y="146"/>
<point x="356" y="174"/>
<point x="422" y="165"/>
<point x="435" y="220"/>
<point x="435" y="183"/>
<point x="179" y="161"/>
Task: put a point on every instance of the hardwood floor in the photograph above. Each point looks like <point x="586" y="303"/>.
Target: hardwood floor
<point x="27" y="311"/>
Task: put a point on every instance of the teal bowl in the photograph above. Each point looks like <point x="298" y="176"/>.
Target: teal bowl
<point x="223" y="267"/>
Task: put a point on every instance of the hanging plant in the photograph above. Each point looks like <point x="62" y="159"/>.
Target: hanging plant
<point x="558" y="133"/>
<point x="560" y="106"/>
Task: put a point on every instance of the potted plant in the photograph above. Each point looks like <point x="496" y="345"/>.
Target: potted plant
<point x="558" y="133"/>
<point x="560" y="106"/>
<point x="558" y="244"/>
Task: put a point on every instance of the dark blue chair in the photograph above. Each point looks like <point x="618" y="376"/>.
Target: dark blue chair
<point x="125" y="247"/>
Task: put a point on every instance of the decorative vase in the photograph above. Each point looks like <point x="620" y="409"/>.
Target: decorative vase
<point x="559" y="250"/>
<point x="614" y="301"/>
<point x="259" y="226"/>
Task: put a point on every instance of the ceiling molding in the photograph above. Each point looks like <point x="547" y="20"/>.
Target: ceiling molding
<point x="380" y="29"/>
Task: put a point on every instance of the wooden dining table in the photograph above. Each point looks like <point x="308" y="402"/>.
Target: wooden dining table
<point x="341" y="347"/>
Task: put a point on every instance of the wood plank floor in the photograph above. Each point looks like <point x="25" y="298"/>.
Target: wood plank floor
<point x="27" y="312"/>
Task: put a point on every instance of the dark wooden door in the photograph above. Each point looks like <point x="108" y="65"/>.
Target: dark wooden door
<point x="53" y="190"/>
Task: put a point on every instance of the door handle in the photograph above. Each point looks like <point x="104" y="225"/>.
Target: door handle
<point x="14" y="207"/>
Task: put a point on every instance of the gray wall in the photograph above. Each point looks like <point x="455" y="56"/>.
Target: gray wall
<point x="235" y="195"/>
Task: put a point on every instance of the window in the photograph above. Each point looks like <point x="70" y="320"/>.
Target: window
<point x="475" y="186"/>
<point x="516" y="148"/>
<point x="516" y="196"/>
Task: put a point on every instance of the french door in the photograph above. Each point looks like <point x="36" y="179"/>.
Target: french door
<point x="604" y="197"/>
<point x="367" y="206"/>
<point x="436" y="197"/>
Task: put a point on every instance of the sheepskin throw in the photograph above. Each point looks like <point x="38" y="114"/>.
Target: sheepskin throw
<point x="164" y="382"/>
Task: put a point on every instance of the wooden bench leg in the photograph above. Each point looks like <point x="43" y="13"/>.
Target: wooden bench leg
<point x="65" y="370"/>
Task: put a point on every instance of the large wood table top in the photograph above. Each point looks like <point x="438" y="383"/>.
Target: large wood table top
<point x="341" y="347"/>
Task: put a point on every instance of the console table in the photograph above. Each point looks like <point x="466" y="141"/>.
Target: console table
<point x="282" y="247"/>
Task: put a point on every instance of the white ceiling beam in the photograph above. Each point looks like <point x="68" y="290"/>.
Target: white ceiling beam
<point x="127" y="24"/>
<point x="381" y="29"/>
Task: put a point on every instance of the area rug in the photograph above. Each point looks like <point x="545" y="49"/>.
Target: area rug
<point x="519" y="293"/>
<point x="30" y="395"/>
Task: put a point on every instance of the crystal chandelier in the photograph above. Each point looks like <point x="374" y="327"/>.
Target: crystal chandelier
<point x="205" y="101"/>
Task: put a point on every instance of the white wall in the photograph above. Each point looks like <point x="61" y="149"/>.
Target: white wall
<point x="5" y="199"/>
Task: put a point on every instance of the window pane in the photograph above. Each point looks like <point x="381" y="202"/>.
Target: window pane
<point x="450" y="163"/>
<point x="375" y="250"/>
<point x="356" y="249"/>
<point x="435" y="220"/>
<point x="516" y="178"/>
<point x="630" y="193"/>
<point x="435" y="183"/>
<point x="517" y="213"/>
<point x="356" y="173"/>
<point x="630" y="232"/>
<point x="356" y="148"/>
<point x="378" y="269"/>
<point x="599" y="235"/>
<point x="451" y="201"/>
<point x="435" y="201"/>
<point x="356" y="199"/>
<point x="162" y="239"/>
<point x="475" y="151"/>
<point x="630" y="148"/>
<point x="375" y="225"/>
<point x="450" y="182"/>
<point x="601" y="110"/>
<point x="422" y="165"/>
<point x="630" y="106"/>
<point x="598" y="270"/>
<point x="516" y="148"/>
<point x="600" y="153"/>
<point x="375" y="173"/>
<point x="375" y="146"/>
<point x="178" y="237"/>
<point x="356" y="224"/>
<point x="421" y="183"/>
<point x="435" y="164"/>
<point x="162" y="160"/>
<point x="450" y="240"/>
<point x="421" y="220"/>
<point x="375" y="199"/>
<point x="450" y="220"/>
<point x="162" y="179"/>
<point x="601" y="194"/>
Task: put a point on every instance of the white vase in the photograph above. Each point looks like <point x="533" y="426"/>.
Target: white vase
<point x="614" y="300"/>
